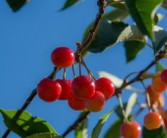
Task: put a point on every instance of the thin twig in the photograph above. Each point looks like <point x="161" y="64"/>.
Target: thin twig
<point x="76" y="123"/>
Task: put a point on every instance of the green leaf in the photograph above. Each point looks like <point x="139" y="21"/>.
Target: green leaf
<point x="69" y="3"/>
<point x="156" y="133"/>
<point x="132" y="49"/>
<point x="114" y="130"/>
<point x="159" y="67"/>
<point x="117" y="4"/>
<point x="26" y="124"/>
<point x="81" y="131"/>
<point x="15" y="5"/>
<point x="160" y="38"/>
<point x="142" y="12"/>
<point x="119" y="112"/>
<point x="45" y="135"/>
<point x="113" y="15"/>
<point x="106" y="35"/>
<point x="100" y="124"/>
<point x="131" y="103"/>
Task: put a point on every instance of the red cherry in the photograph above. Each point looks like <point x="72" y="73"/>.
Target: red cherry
<point x="83" y="87"/>
<point x="152" y="120"/>
<point x="157" y="84"/>
<point x="105" y="86"/>
<point x="130" y="130"/>
<point x="66" y="89"/>
<point x="76" y="104"/>
<point x="164" y="76"/>
<point x="96" y="102"/>
<point x="49" y="90"/>
<point x="63" y="57"/>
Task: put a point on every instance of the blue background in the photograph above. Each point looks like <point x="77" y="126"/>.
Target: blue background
<point x="27" y="39"/>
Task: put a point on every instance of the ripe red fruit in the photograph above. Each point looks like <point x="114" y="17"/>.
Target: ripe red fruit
<point x="49" y="90"/>
<point x="83" y="87"/>
<point x="157" y="84"/>
<point x="76" y="104"/>
<point x="63" y="57"/>
<point x="152" y="120"/>
<point x="66" y="89"/>
<point x="96" y="102"/>
<point x="105" y="86"/>
<point x="130" y="130"/>
<point x="164" y="76"/>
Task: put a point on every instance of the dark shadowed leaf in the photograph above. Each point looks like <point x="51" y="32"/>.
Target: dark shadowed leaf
<point x="156" y="133"/>
<point x="141" y="11"/>
<point x="106" y="35"/>
<point x="132" y="49"/>
<point x="45" y="135"/>
<point x="69" y="3"/>
<point x="159" y="67"/>
<point x="15" y="5"/>
<point x="114" y="130"/>
<point x="26" y="124"/>
<point x="164" y="4"/>
<point x="81" y="131"/>
<point x="100" y="124"/>
<point x="160" y="38"/>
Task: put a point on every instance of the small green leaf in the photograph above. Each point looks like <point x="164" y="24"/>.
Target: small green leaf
<point x="45" y="135"/>
<point x="81" y="131"/>
<point x="131" y="103"/>
<point x="160" y="38"/>
<point x="114" y="130"/>
<point x="156" y="133"/>
<point x="106" y="35"/>
<point x="15" y="5"/>
<point x="100" y="124"/>
<point x="69" y="3"/>
<point x="132" y="49"/>
<point x="142" y="12"/>
<point x="26" y="124"/>
<point x="159" y="67"/>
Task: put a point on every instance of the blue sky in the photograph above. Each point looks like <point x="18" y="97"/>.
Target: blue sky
<point x="27" y="39"/>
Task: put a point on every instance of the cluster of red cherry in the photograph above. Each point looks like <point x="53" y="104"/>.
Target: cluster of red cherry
<point x="82" y="92"/>
<point x="153" y="119"/>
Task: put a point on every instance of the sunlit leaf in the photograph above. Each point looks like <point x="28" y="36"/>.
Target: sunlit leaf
<point x="131" y="103"/>
<point x="142" y="12"/>
<point x="26" y="124"/>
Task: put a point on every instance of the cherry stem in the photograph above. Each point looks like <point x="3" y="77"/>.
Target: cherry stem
<point x="73" y="71"/>
<point x="64" y="73"/>
<point x="122" y="107"/>
<point x="87" y="69"/>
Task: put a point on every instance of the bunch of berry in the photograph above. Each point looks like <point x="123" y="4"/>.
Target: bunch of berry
<point x="83" y="92"/>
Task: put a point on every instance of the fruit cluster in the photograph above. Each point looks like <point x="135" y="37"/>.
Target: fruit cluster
<point x="82" y="92"/>
<point x="153" y="119"/>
